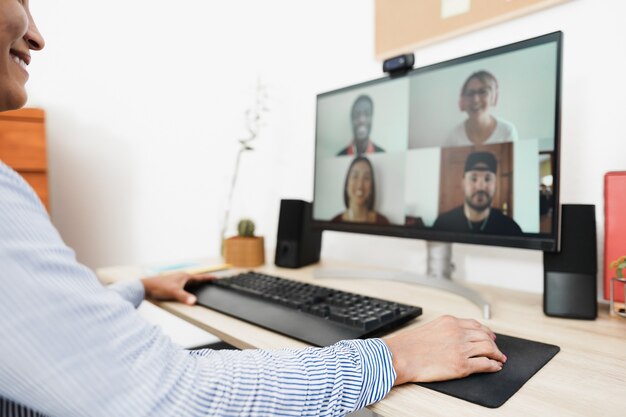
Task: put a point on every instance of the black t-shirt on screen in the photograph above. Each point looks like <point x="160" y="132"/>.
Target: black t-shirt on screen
<point x="495" y="224"/>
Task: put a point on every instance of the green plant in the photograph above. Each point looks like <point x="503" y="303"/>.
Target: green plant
<point x="245" y="227"/>
<point x="619" y="264"/>
<point x="255" y="116"/>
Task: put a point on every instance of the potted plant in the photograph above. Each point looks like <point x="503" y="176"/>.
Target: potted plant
<point x="619" y="264"/>
<point x="254" y="121"/>
<point x="245" y="250"/>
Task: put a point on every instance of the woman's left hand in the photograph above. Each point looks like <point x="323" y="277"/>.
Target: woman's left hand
<point x="172" y="286"/>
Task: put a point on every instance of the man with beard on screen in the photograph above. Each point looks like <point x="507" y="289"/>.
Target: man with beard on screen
<point x="476" y="214"/>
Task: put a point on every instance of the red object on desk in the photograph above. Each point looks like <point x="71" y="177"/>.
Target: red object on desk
<point x="614" y="228"/>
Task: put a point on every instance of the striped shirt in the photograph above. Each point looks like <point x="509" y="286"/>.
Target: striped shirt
<point x="71" y="347"/>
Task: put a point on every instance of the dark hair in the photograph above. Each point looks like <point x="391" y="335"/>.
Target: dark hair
<point x="372" y="197"/>
<point x="362" y="97"/>
<point x="482" y="76"/>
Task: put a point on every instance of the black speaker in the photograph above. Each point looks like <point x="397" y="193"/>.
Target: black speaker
<point x="297" y="244"/>
<point x="569" y="287"/>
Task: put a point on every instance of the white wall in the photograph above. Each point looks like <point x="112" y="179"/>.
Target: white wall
<point x="422" y="196"/>
<point x="145" y="102"/>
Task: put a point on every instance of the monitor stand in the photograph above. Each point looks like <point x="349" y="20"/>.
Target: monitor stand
<point x="438" y="275"/>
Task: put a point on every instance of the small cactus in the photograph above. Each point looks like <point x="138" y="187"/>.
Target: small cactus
<point x="245" y="227"/>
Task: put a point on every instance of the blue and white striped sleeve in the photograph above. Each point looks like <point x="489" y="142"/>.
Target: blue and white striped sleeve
<point x="331" y="381"/>
<point x="73" y="348"/>
<point x="132" y="291"/>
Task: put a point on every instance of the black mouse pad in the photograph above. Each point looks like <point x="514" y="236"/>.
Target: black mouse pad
<point x="524" y="359"/>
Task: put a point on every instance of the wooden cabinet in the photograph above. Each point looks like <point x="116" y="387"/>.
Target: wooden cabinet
<point x="23" y="147"/>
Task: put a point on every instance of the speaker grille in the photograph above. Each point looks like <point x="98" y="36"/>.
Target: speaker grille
<point x="578" y="241"/>
<point x="292" y="217"/>
<point x="297" y="244"/>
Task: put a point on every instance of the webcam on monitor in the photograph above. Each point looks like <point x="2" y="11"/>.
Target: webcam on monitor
<point x="399" y="65"/>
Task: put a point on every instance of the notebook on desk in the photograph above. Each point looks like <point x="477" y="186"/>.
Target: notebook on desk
<point x="524" y="359"/>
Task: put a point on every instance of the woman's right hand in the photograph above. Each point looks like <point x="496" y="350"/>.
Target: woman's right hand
<point x="446" y="348"/>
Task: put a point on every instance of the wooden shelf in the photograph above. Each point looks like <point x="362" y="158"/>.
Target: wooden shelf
<point x="23" y="147"/>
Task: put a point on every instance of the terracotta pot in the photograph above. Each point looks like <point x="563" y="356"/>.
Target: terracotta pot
<point x="244" y="252"/>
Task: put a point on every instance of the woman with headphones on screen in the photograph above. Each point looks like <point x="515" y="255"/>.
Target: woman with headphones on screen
<point x="72" y="347"/>
<point x="479" y="95"/>
<point x="359" y="194"/>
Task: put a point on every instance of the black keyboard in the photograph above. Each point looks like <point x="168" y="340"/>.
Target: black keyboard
<point x="318" y="315"/>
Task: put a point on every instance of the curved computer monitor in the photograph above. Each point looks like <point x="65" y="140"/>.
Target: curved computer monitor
<point x="465" y="150"/>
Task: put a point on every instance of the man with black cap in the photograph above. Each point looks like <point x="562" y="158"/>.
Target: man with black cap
<point x="476" y="214"/>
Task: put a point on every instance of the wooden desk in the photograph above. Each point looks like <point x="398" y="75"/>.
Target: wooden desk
<point x="587" y="378"/>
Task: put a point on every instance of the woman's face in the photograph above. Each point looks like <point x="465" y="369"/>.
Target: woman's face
<point x="360" y="184"/>
<point x="18" y="35"/>
<point x="478" y="97"/>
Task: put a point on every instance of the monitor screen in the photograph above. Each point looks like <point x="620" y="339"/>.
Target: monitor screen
<point x="461" y="151"/>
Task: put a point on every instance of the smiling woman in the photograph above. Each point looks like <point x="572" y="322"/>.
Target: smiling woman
<point x="359" y="194"/>
<point x="18" y="36"/>
<point x="479" y="95"/>
<point x="77" y="348"/>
